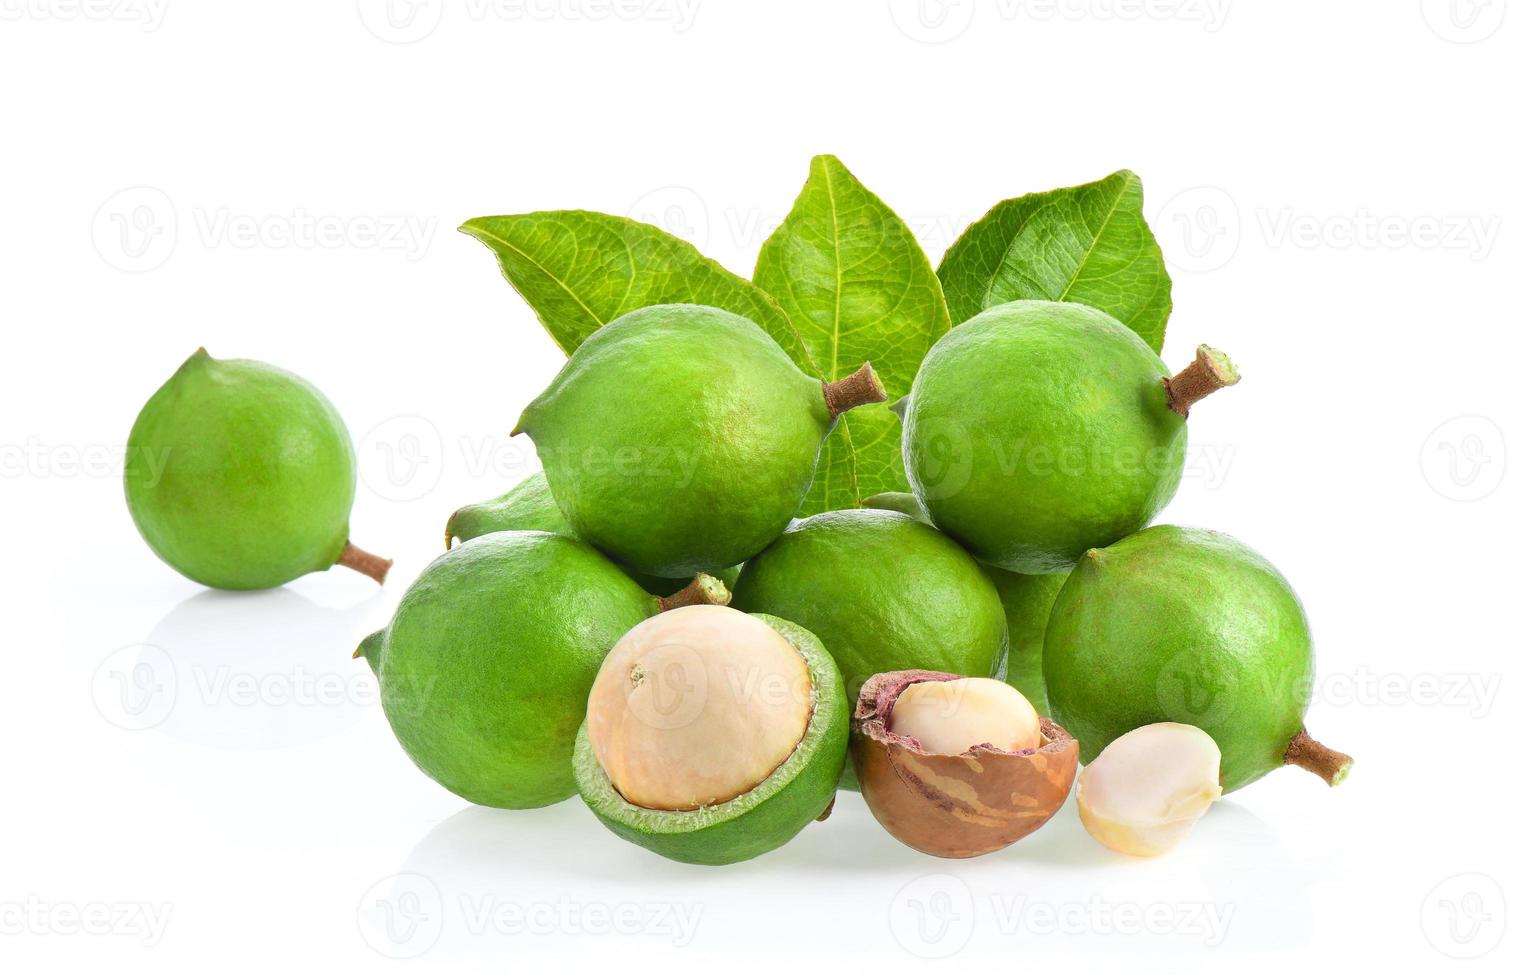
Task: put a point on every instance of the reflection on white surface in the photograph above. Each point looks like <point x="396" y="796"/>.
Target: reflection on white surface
<point x="487" y="879"/>
<point x="258" y="670"/>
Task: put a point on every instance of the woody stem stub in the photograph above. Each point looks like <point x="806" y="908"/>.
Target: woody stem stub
<point x="365" y="563"/>
<point x="704" y="590"/>
<point x="1325" y="762"/>
<point x="1210" y="371"/>
<point x="861" y="388"/>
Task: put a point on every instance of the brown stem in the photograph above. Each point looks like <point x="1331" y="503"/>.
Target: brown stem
<point x="704" y="590"/>
<point x="861" y="388"/>
<point x="365" y="563"/>
<point x="1327" y="763"/>
<point x="1210" y="371"/>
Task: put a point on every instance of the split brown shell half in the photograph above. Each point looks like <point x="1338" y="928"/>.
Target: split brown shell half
<point x="954" y="805"/>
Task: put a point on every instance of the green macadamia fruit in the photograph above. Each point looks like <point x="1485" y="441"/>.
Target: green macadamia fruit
<point x="241" y="476"/>
<point x="680" y="438"/>
<point x="883" y="592"/>
<point x="1189" y="626"/>
<point x="1026" y="599"/>
<point x="733" y="730"/>
<point x="713" y="737"/>
<point x="1027" y="602"/>
<point x="1038" y="430"/>
<point x="530" y="506"/>
<point x="952" y="717"/>
<point x="486" y="666"/>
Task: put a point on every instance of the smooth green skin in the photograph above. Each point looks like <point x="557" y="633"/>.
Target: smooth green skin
<point x="529" y="506"/>
<point x="1027" y="602"/>
<point x="1038" y="430"/>
<point x="526" y="507"/>
<point x="240" y="475"/>
<point x="883" y="592"/>
<point x="753" y="823"/>
<point x="486" y="666"/>
<point x="679" y="438"/>
<point x="1026" y="599"/>
<point x="1185" y="625"/>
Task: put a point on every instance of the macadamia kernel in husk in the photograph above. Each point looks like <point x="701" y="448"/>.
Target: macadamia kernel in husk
<point x="1144" y="792"/>
<point x="696" y="706"/>
<point x="967" y="801"/>
<point x="950" y="717"/>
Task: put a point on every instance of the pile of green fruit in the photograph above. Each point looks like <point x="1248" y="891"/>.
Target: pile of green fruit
<point x="854" y="522"/>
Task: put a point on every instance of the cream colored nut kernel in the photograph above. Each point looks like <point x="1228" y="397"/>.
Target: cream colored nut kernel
<point x="1144" y="792"/>
<point x="951" y="717"/>
<point x="695" y="706"/>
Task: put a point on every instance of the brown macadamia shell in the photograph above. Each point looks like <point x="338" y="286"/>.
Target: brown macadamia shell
<point x="979" y="801"/>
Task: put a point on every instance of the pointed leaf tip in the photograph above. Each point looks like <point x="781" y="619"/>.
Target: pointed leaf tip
<point x="1087" y="244"/>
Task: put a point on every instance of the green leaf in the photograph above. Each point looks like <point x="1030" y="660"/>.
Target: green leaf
<point x="857" y="287"/>
<point x="1087" y="244"/>
<point x="580" y="270"/>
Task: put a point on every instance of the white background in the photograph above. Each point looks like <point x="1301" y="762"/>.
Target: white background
<point x="1333" y="184"/>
